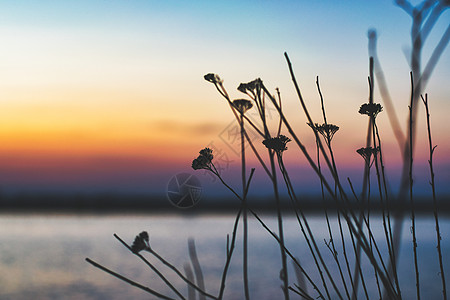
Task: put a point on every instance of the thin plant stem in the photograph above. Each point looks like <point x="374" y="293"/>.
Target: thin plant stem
<point x="280" y="123"/>
<point x="435" y="206"/>
<point x="260" y="103"/>
<point x="384" y="275"/>
<point x="215" y="172"/>
<point x="184" y="278"/>
<point x="328" y="142"/>
<point x="413" y="217"/>
<point x="385" y="210"/>
<point x="309" y="237"/>
<point x="357" y="258"/>
<point x="280" y="228"/>
<point x="372" y="240"/>
<point x="330" y="233"/>
<point x="288" y="253"/>
<point x="431" y="20"/>
<point x="356" y="228"/>
<point x="384" y="91"/>
<point x="285" y="250"/>
<point x="358" y="265"/>
<point x="302" y="147"/>
<point x="300" y="292"/>
<point x="129" y="281"/>
<point x="380" y="184"/>
<point x="434" y="58"/>
<point x="263" y="164"/>
<point x="173" y="268"/>
<point x="301" y="284"/>
<point x="374" y="244"/>
<point x="344" y="251"/>
<point x="230" y="250"/>
<point x="244" y="213"/>
<point x="190" y="277"/>
<point x="366" y="181"/>
<point x="331" y="241"/>
<point x="419" y="32"/>
<point x="368" y="222"/>
<point x="321" y="101"/>
<point x="223" y="92"/>
<point x="197" y="268"/>
<point x="154" y="269"/>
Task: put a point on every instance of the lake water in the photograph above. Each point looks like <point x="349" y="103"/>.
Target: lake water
<point x="43" y="256"/>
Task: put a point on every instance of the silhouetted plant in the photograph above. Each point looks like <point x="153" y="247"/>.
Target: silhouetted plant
<point x="424" y="16"/>
<point x="357" y="222"/>
<point x="435" y="205"/>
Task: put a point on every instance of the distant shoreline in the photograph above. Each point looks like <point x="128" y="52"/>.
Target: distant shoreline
<point x="146" y="204"/>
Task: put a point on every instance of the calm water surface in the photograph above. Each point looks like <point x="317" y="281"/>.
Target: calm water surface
<point x="43" y="256"/>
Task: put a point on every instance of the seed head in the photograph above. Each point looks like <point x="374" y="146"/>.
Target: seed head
<point x="367" y="153"/>
<point x="327" y="130"/>
<point x="207" y="153"/>
<point x="213" y="78"/>
<point x="249" y="86"/>
<point x="370" y="109"/>
<point x="204" y="160"/>
<point x="277" y="143"/>
<point x="242" y="105"/>
<point x="141" y="242"/>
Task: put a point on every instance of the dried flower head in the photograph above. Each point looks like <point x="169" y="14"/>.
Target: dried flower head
<point x="327" y="130"/>
<point x="367" y="152"/>
<point x="207" y="153"/>
<point x="203" y="161"/>
<point x="249" y="86"/>
<point x="141" y="242"/>
<point x="277" y="143"/>
<point x="213" y="78"/>
<point x="370" y="109"/>
<point x="242" y="105"/>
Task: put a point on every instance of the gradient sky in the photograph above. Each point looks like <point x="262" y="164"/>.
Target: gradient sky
<point x="109" y="95"/>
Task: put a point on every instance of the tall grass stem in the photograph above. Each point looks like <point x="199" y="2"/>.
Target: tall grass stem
<point x="435" y="205"/>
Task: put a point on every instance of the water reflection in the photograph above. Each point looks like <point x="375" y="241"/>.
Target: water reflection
<point x="42" y="256"/>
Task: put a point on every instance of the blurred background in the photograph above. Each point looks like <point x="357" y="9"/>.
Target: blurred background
<point x="108" y="97"/>
<point x="103" y="103"/>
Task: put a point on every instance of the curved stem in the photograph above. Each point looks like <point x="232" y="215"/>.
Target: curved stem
<point x="230" y="251"/>
<point x="170" y="266"/>
<point x="129" y="281"/>
<point x="435" y="206"/>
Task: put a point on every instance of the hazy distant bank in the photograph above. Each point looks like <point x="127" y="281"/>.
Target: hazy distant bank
<point x="113" y="203"/>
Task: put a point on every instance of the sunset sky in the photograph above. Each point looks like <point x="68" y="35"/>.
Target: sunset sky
<point x="109" y="96"/>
